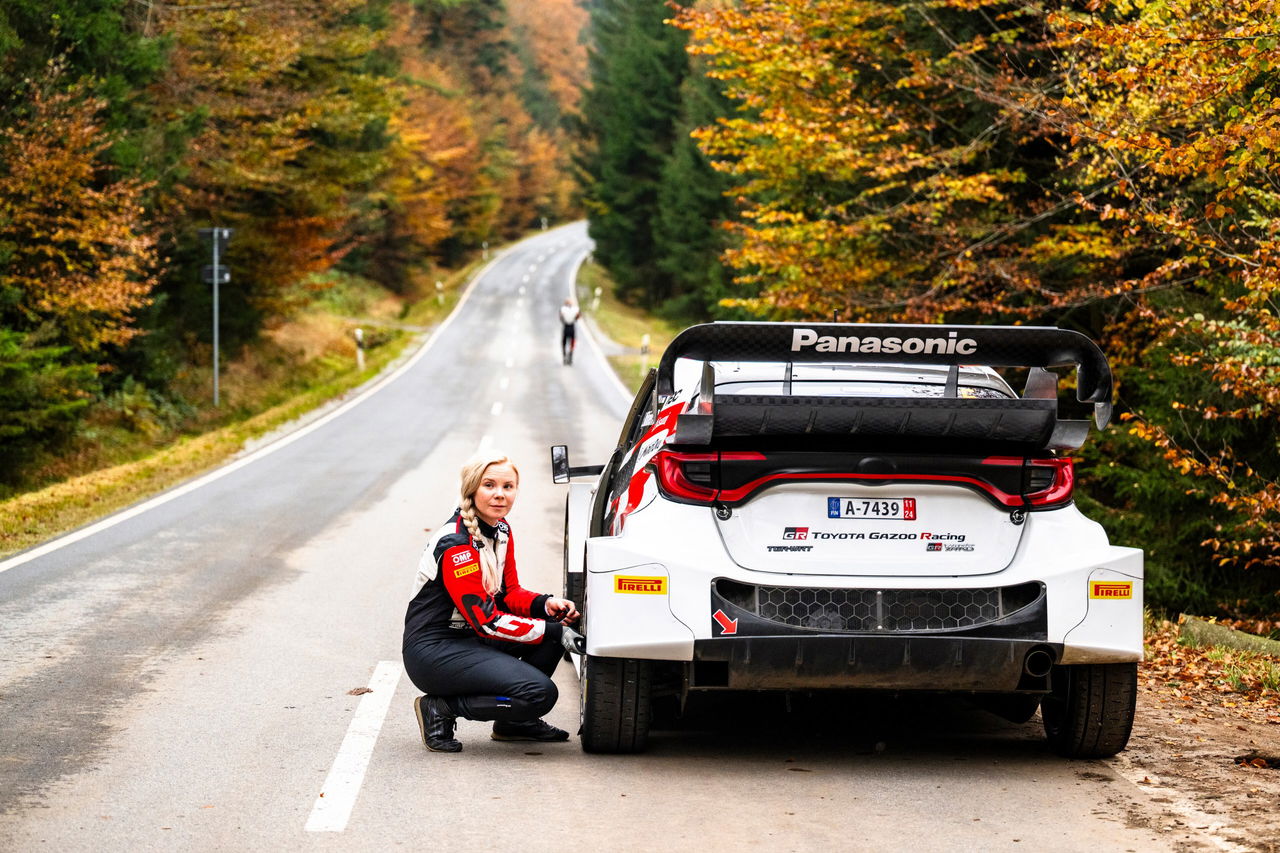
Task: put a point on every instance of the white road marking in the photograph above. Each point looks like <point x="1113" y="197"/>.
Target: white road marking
<point x="332" y="808"/>
<point x="496" y="409"/>
<point x="522" y="290"/>
<point x="511" y="362"/>
<point x="278" y="444"/>
<point x="1207" y="826"/>
<point x="504" y="382"/>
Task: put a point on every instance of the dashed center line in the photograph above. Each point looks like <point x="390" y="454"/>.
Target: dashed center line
<point x="496" y="409"/>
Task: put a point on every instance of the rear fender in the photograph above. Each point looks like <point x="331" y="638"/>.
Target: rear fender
<point x="1111" y="630"/>
<point x="629" y="613"/>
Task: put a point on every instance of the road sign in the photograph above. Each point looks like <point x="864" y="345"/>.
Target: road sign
<point x="216" y="274"/>
<point x="206" y="274"/>
<point x="219" y="236"/>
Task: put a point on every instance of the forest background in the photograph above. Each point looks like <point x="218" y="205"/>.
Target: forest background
<point x="1106" y="166"/>
<point x="362" y="150"/>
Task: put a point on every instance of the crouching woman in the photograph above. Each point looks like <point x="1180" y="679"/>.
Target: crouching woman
<point x="477" y="643"/>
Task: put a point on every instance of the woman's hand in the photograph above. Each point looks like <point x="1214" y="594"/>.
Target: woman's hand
<point x="562" y="610"/>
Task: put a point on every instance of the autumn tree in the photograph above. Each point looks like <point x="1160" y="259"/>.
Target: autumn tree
<point x="292" y="139"/>
<point x="885" y="168"/>
<point x="77" y="260"/>
<point x="553" y="61"/>
<point x="103" y="46"/>
<point x="1178" y="106"/>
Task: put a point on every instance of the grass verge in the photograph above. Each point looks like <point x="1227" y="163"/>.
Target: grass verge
<point x="623" y="324"/>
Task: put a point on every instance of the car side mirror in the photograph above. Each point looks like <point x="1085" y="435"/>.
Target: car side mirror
<point x="559" y="463"/>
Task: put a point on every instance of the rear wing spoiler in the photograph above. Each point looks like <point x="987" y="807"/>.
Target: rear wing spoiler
<point x="1031" y="419"/>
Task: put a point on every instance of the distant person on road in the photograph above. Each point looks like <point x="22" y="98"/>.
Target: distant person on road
<point x="481" y="646"/>
<point x="569" y="315"/>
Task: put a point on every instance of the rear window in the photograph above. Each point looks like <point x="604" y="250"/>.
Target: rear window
<point x="839" y="388"/>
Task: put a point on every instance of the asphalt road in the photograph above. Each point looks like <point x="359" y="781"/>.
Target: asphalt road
<point x="179" y="680"/>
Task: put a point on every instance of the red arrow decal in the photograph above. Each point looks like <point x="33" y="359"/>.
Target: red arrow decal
<point x="727" y="625"/>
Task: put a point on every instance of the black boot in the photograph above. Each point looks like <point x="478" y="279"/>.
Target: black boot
<point x="528" y="730"/>
<point x="435" y="721"/>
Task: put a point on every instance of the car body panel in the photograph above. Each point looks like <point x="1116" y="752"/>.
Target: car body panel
<point x="577" y="525"/>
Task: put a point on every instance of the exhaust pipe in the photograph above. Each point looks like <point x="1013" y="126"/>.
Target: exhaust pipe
<point x="1037" y="663"/>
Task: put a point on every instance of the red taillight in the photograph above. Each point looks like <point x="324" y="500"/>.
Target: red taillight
<point x="678" y="473"/>
<point x="692" y="478"/>
<point x="675" y="483"/>
<point x="1051" y="480"/>
<point x="1060" y="486"/>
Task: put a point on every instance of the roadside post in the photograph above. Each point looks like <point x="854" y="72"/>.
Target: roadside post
<point x="216" y="275"/>
<point x="644" y="354"/>
<point x="485" y="247"/>
<point x="359" y="333"/>
<point x="595" y="301"/>
<point x="439" y="292"/>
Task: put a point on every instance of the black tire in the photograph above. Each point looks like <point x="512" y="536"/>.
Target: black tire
<point x="1089" y="713"/>
<point x="616" y="704"/>
<point x="573" y="585"/>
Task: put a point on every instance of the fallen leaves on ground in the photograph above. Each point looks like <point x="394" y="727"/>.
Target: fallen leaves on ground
<point x="1215" y="677"/>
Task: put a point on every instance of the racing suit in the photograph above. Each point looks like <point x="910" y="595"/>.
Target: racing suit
<point x="489" y="656"/>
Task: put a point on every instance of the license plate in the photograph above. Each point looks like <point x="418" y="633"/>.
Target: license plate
<point x="891" y="509"/>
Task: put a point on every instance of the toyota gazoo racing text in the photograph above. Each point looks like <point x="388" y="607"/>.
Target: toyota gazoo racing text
<point x="855" y="507"/>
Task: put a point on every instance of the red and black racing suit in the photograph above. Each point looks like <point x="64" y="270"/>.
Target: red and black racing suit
<point x="489" y="656"/>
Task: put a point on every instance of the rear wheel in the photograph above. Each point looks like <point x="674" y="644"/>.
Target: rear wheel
<point x="616" y="704"/>
<point x="1089" y="713"/>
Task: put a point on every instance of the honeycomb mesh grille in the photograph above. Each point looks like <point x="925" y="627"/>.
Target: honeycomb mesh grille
<point x="878" y="610"/>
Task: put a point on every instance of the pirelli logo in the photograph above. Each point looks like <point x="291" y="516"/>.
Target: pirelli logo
<point x="640" y="586"/>
<point x="463" y="571"/>
<point x="1110" y="589"/>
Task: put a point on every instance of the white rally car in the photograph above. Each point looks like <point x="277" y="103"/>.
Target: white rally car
<point x="850" y="506"/>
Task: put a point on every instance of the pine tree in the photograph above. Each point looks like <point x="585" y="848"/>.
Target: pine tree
<point x="692" y="207"/>
<point x="637" y="64"/>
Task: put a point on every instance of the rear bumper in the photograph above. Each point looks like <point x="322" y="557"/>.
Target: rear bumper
<point x="869" y="662"/>
<point x="676" y="613"/>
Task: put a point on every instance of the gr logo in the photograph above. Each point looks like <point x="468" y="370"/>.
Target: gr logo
<point x="795" y="533"/>
<point x="933" y="546"/>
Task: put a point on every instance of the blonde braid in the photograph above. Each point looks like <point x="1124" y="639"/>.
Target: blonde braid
<point x="489" y="576"/>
